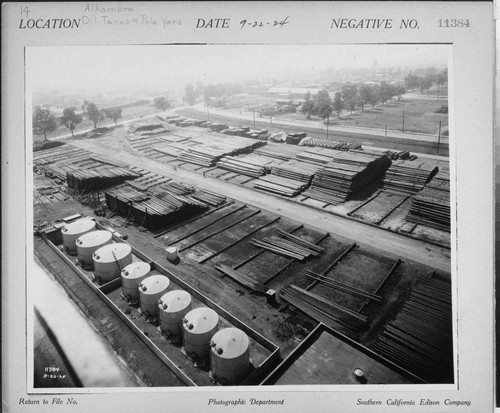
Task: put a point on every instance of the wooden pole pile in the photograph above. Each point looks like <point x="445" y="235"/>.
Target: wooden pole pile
<point x="408" y="176"/>
<point x="279" y="185"/>
<point x="420" y="338"/>
<point x="431" y="207"/>
<point x="208" y="154"/>
<point x="208" y="197"/>
<point x="322" y="310"/>
<point x="327" y="143"/>
<point x="152" y="211"/>
<point x="242" y="278"/>
<point x="288" y="245"/>
<point x="299" y="171"/>
<point x="347" y="288"/>
<point x="90" y="180"/>
<point x="346" y="175"/>
<point x="277" y="151"/>
<point x="250" y="165"/>
<point x="177" y="188"/>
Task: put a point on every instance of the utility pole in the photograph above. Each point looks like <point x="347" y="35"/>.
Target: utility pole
<point x="253" y="110"/>
<point x="403" y="126"/>
<point x="327" y="123"/>
<point x="439" y="137"/>
<point x="386" y="131"/>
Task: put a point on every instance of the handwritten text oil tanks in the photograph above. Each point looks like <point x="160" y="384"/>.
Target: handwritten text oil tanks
<point x="198" y="326"/>
<point x="150" y="291"/>
<point x="132" y="275"/>
<point x="173" y="306"/>
<point x="73" y="231"/>
<point x="110" y="259"/>
<point x="89" y="243"/>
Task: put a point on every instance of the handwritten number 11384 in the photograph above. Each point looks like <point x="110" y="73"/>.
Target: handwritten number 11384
<point x="451" y="23"/>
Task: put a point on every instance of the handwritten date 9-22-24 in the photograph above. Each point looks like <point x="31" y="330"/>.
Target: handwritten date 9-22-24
<point x="255" y="23"/>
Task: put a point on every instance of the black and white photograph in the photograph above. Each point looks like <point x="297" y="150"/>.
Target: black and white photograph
<point x="250" y="212"/>
<point x="251" y="216"/>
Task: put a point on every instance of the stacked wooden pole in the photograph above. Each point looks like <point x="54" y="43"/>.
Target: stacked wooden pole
<point x="322" y="310"/>
<point x="431" y="207"/>
<point x="346" y="175"/>
<point x="420" y="338"/>
<point x="288" y="245"/>
<point x="327" y="143"/>
<point x="408" y="176"/>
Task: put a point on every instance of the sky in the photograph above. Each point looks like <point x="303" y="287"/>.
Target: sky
<point x="66" y="68"/>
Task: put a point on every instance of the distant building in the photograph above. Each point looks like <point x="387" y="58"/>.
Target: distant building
<point x="292" y="92"/>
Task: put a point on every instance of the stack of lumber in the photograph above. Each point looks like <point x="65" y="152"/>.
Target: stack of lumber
<point x="242" y="278"/>
<point x="341" y="286"/>
<point x="151" y="211"/>
<point x="431" y="207"/>
<point x="297" y="170"/>
<point x="208" y="197"/>
<point x="317" y="155"/>
<point x="346" y="175"/>
<point x="277" y="151"/>
<point x="88" y="180"/>
<point x="327" y="143"/>
<point x="209" y="153"/>
<point x="325" y="311"/>
<point x="288" y="245"/>
<point x="250" y="165"/>
<point x="177" y="188"/>
<point x="408" y="176"/>
<point x="279" y="185"/>
<point x="420" y="338"/>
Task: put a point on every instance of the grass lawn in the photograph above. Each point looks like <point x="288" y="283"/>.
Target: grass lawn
<point x="419" y="116"/>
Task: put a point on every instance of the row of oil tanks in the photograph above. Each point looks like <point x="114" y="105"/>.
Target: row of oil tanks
<point x="227" y="349"/>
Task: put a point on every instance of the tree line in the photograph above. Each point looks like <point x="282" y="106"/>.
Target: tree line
<point x="352" y="96"/>
<point x="44" y="121"/>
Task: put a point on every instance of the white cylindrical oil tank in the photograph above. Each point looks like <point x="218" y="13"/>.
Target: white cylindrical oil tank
<point x="150" y="291"/>
<point x="173" y="306"/>
<point x="132" y="275"/>
<point x="110" y="259"/>
<point x="73" y="231"/>
<point x="89" y="243"/>
<point x="198" y="327"/>
<point x="230" y="357"/>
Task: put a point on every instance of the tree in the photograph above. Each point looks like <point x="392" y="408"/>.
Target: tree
<point x="189" y="95"/>
<point x="338" y="103"/>
<point x="94" y="114"/>
<point x="70" y="119"/>
<point x="386" y="92"/>
<point x="350" y="95"/>
<point x="113" y="113"/>
<point x="308" y="105"/>
<point x="400" y="90"/>
<point x="441" y="79"/>
<point x="426" y="82"/>
<point x="364" y="96"/>
<point x="161" y="103"/>
<point x="43" y="122"/>
<point x="323" y="105"/>
<point x="412" y="81"/>
<point x="374" y="95"/>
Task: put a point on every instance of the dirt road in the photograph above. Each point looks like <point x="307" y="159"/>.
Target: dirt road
<point x="115" y="147"/>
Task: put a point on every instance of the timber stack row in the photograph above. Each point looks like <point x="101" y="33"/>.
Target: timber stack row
<point x="152" y="211"/>
<point x="420" y="337"/>
<point x="346" y="175"/>
<point x="333" y="315"/>
<point x="407" y="177"/>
